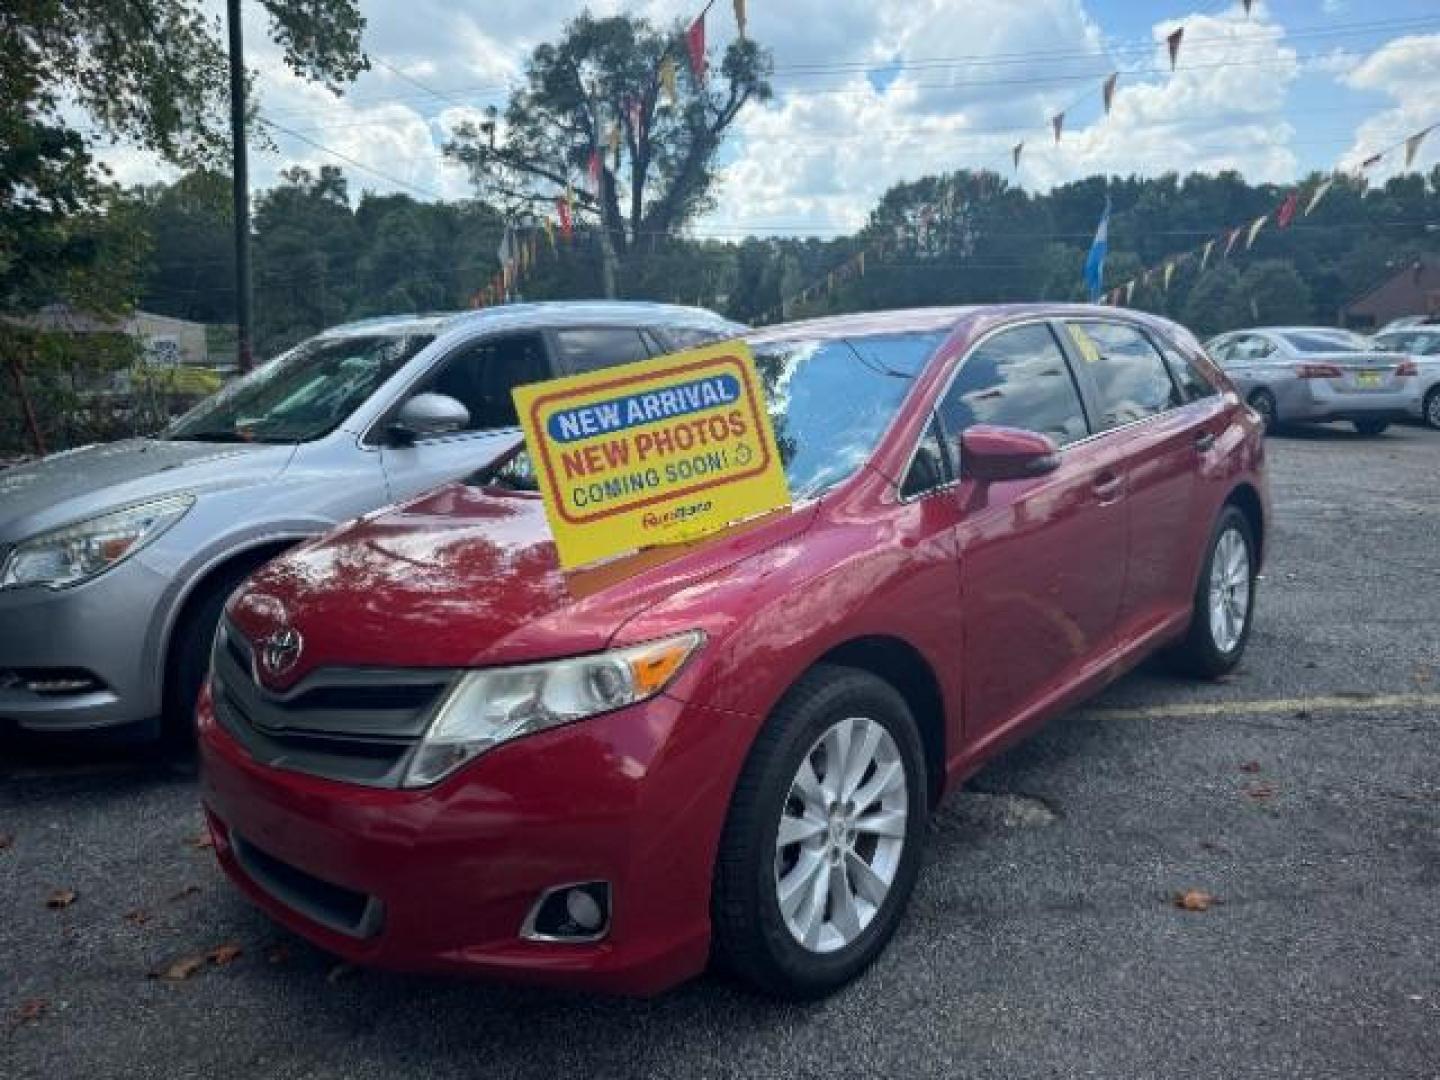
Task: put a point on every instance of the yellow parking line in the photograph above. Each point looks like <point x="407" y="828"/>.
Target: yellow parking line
<point x="1339" y="703"/>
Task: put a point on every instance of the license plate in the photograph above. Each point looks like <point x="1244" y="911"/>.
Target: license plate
<point x="1367" y="379"/>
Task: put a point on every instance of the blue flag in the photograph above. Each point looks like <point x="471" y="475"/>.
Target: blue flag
<point x="1095" y="261"/>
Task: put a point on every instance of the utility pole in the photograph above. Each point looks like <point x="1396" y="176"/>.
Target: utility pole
<point x="241" y="179"/>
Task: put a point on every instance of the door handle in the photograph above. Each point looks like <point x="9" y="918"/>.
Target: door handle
<point x="1204" y="441"/>
<point x="1107" y="487"/>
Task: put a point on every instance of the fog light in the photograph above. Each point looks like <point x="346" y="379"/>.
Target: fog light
<point x="573" y="913"/>
<point x="50" y="682"/>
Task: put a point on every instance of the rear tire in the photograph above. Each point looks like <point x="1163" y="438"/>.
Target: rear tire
<point x="799" y="918"/>
<point x="1263" y="402"/>
<point x="1431" y="411"/>
<point x="1371" y="427"/>
<point x="1218" y="632"/>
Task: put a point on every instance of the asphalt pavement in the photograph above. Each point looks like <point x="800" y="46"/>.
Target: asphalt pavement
<point x="1300" y="796"/>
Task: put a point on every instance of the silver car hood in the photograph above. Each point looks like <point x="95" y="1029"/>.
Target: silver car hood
<point x="79" y="484"/>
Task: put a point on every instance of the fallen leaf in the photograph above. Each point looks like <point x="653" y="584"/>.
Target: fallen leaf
<point x="138" y="917"/>
<point x="339" y="973"/>
<point x="1261" y="791"/>
<point x="180" y="970"/>
<point x="62" y="898"/>
<point x="188" y="890"/>
<point x="1194" y="900"/>
<point x="224" y="954"/>
<point x="1250" y="766"/>
<point x="202" y="840"/>
<point x="1211" y="845"/>
<point x="7" y="840"/>
<point x="31" y="1011"/>
<point x="279" y="954"/>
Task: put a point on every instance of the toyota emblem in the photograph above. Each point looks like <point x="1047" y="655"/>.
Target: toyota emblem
<point x="280" y="650"/>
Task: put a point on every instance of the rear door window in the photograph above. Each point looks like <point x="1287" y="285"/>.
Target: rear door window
<point x="591" y="348"/>
<point x="1130" y="378"/>
<point x="1016" y="378"/>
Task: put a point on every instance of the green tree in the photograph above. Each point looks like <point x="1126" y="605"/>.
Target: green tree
<point x="1274" y="294"/>
<point x="604" y="76"/>
<point x="1215" y="303"/>
<point x="151" y="74"/>
<point x="192" y="271"/>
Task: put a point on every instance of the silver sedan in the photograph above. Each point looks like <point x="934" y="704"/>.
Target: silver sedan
<point x="1303" y="374"/>
<point x="1421" y="344"/>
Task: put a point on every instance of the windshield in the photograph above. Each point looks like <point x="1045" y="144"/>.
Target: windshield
<point x="829" y="402"/>
<point x="1416" y="342"/>
<point x="1322" y="341"/>
<point x="302" y="394"/>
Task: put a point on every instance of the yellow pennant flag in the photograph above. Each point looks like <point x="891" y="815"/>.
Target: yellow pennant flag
<point x="1205" y="255"/>
<point x="667" y="80"/>
<point x="1255" y="228"/>
<point x="550" y="233"/>
<point x="1169" y="273"/>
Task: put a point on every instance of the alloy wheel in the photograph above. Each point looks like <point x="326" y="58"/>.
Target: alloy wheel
<point x="841" y="834"/>
<point x="1229" y="590"/>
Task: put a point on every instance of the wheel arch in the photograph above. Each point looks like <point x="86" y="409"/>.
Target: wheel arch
<point x="252" y="555"/>
<point x="1247" y="500"/>
<point x="898" y="663"/>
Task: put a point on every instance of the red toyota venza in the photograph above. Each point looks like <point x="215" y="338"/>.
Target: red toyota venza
<point x="425" y="746"/>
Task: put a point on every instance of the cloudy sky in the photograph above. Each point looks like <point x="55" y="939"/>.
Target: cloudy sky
<point x="870" y="92"/>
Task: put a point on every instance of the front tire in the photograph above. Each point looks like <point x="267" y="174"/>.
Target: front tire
<point x="822" y="844"/>
<point x="1371" y="427"/>
<point x="191" y="641"/>
<point x="1224" y="604"/>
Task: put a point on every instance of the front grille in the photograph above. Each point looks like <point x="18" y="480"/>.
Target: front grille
<point x="358" y="725"/>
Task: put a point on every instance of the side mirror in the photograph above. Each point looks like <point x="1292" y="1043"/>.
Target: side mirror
<point x="428" y="414"/>
<point x="989" y="452"/>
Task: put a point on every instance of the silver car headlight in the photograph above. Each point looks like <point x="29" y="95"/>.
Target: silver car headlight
<point x="487" y="708"/>
<point x="76" y="553"/>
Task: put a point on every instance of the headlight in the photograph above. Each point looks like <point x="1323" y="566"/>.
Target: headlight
<point x="488" y="708"/>
<point x="76" y="552"/>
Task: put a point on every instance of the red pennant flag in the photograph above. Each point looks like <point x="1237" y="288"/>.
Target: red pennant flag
<point x="1173" y="41"/>
<point x="1371" y="161"/>
<point x="1286" y="213"/>
<point x="1058" y="123"/>
<point x="1412" y="145"/>
<point x="562" y="211"/>
<point x="695" y="44"/>
<point x="1108" y="91"/>
<point x="594" y="169"/>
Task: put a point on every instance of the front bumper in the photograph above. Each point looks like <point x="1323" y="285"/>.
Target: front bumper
<point x="442" y="879"/>
<point x="99" y="627"/>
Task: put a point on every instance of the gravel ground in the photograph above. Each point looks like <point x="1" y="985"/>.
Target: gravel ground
<point x="1042" y="939"/>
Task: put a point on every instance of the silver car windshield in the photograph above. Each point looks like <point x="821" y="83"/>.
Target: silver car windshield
<point x="302" y="394"/>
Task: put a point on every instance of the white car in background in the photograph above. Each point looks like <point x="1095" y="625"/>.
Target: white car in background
<point x="1421" y="343"/>
<point x="1315" y="374"/>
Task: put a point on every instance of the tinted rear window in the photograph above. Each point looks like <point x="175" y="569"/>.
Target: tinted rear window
<point x="1326" y="341"/>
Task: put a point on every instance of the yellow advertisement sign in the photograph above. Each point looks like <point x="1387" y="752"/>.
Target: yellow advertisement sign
<point x="652" y="452"/>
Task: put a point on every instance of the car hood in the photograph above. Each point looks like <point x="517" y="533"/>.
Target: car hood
<point x="468" y="578"/>
<point x="79" y="484"/>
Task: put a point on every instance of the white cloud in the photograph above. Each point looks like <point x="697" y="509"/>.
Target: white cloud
<point x="822" y="161"/>
<point x="1407" y="70"/>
